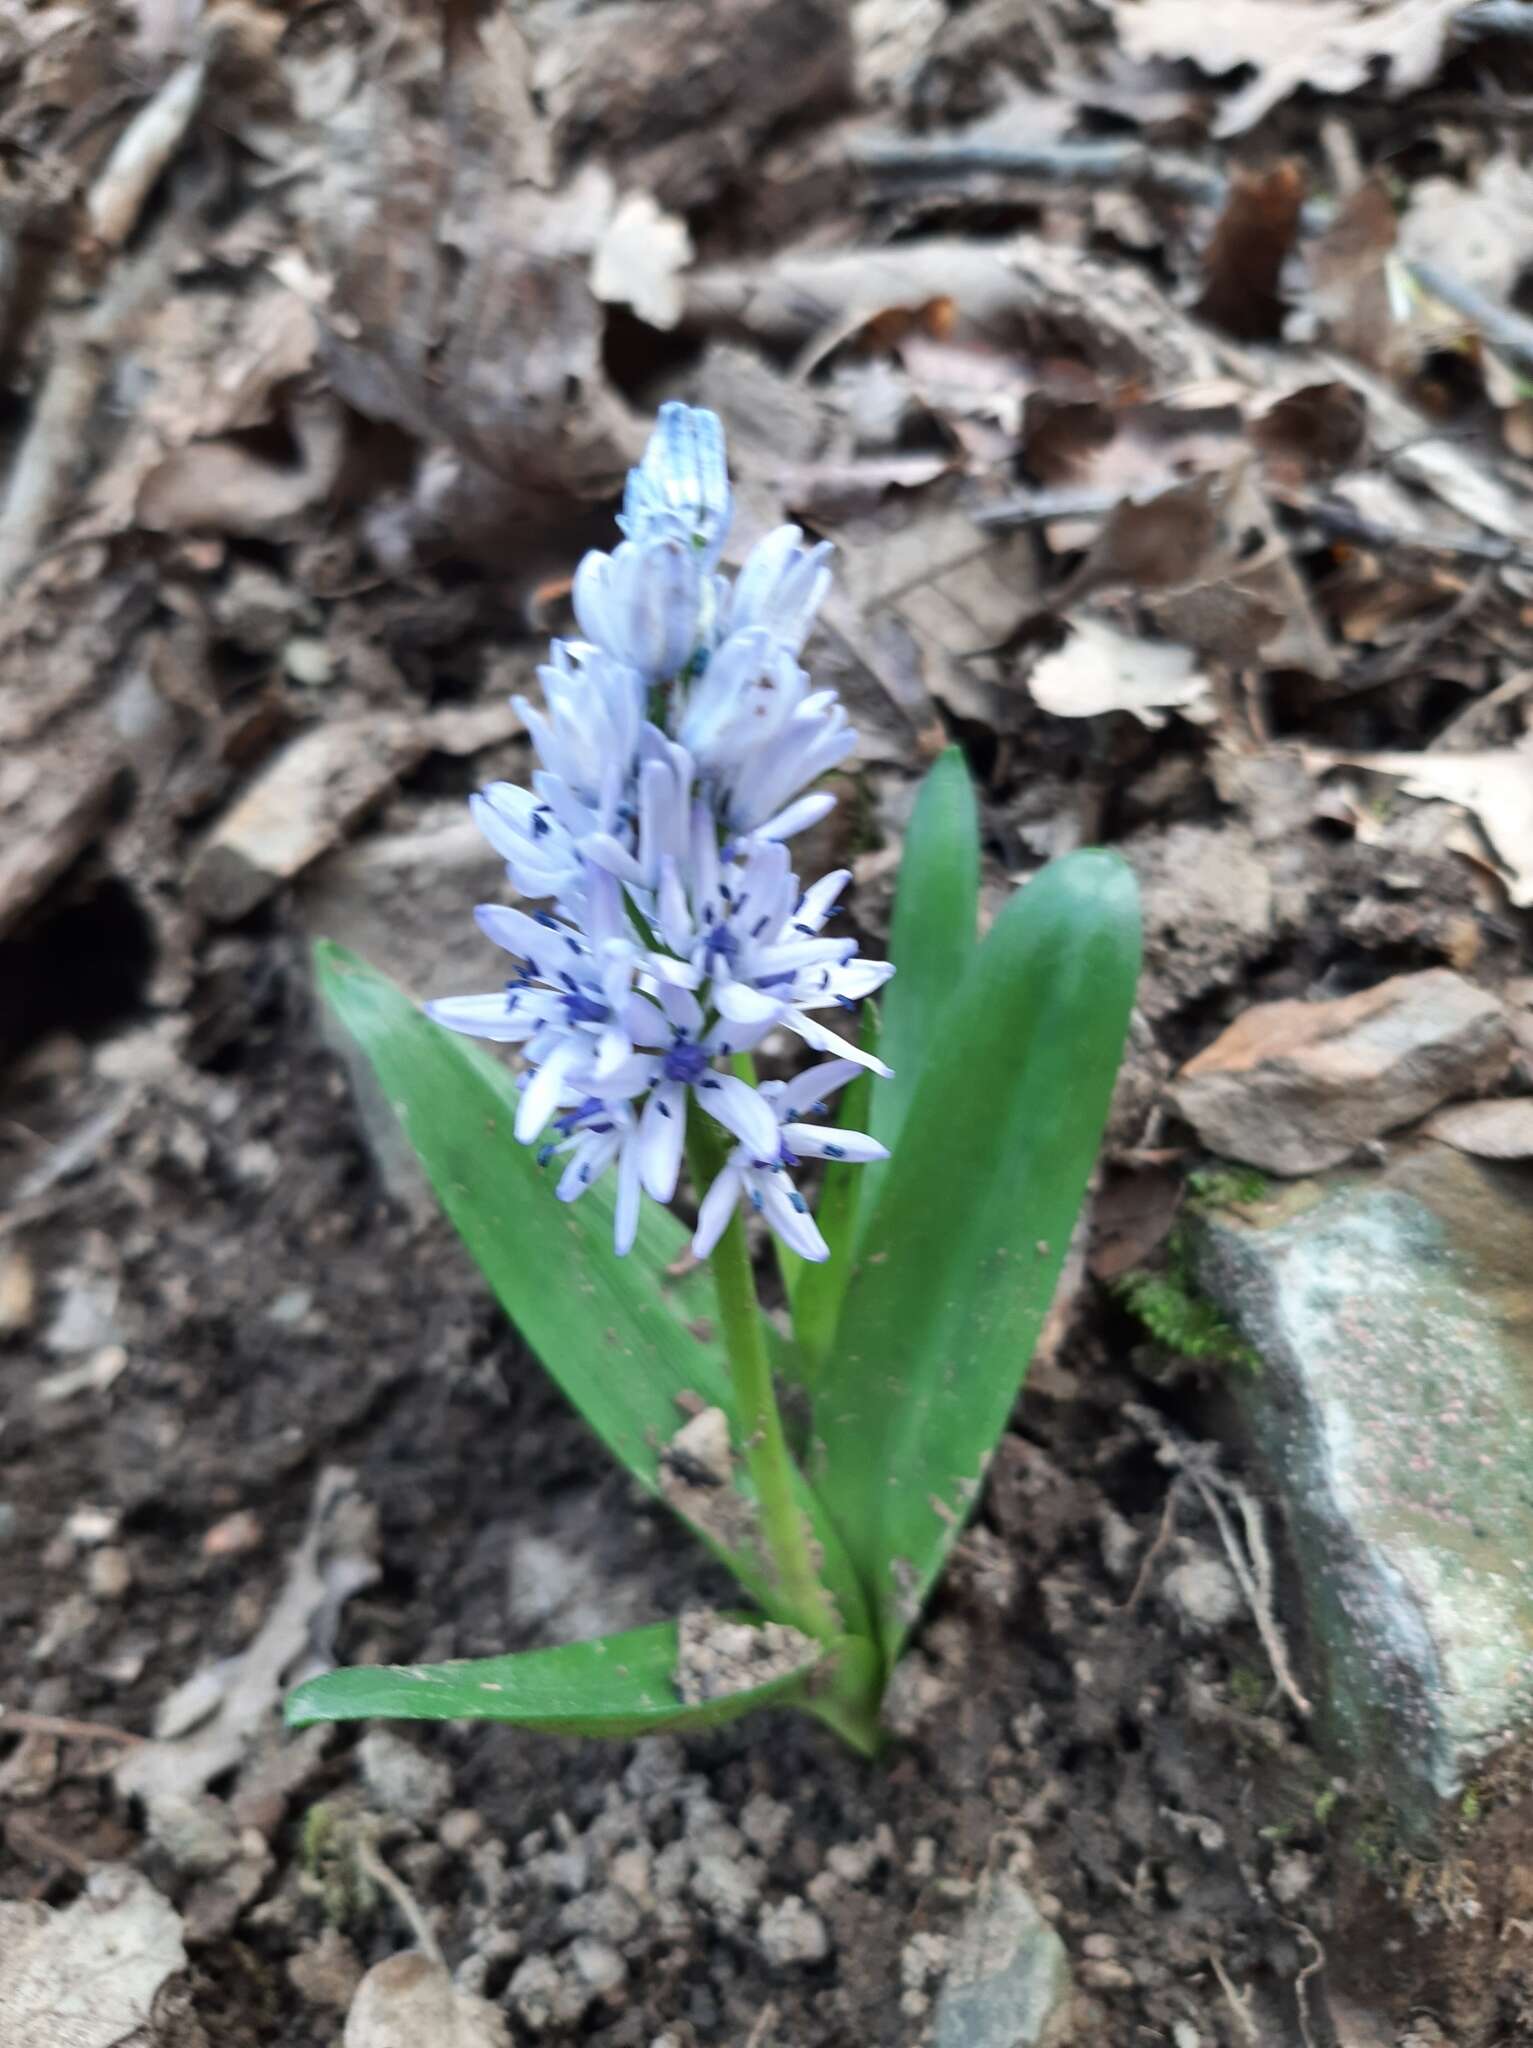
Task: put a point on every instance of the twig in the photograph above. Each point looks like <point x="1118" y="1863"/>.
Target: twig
<point x="51" y="449"/>
<point x="1315" y="1964"/>
<point x="1340" y="520"/>
<point x="1251" y="1561"/>
<point x="24" y="1834"/>
<point x="765" y="2020"/>
<point x="1508" y="332"/>
<point x="1239" y="2003"/>
<point x="372" y="1865"/>
<point x="15" y="1720"/>
<point x="116" y="200"/>
<point x="1397" y="662"/>
<point x="1162" y="1538"/>
<point x="1109" y="165"/>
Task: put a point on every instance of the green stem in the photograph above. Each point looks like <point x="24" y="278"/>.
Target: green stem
<point x="784" y="1526"/>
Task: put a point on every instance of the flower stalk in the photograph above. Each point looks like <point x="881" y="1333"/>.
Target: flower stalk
<point x="784" y="1527"/>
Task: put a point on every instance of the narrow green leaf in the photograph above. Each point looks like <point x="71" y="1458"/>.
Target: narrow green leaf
<point x="632" y="1350"/>
<point x="619" y="1686"/>
<point x="932" y="939"/>
<point x="962" y="1253"/>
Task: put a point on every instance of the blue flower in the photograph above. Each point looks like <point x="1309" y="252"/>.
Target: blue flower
<point x="780" y="588"/>
<point x="761" y="1176"/>
<point x="643" y="604"/>
<point x="681" y="488"/>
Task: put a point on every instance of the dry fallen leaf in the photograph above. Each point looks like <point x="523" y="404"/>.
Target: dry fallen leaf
<point x="1311" y="433"/>
<point x="87" y="1977"/>
<point x="1350" y="291"/>
<point x="1489" y="1130"/>
<point x="1247" y="250"/>
<point x="221" y="487"/>
<point x="1331" y="46"/>
<point x="1496" y="785"/>
<point x="639" y="259"/>
<point x="1481" y="233"/>
<point x="1102" y="669"/>
<point x="222" y="1710"/>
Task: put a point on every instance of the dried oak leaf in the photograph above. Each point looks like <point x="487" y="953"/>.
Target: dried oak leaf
<point x="1496" y="784"/>
<point x="89" y="1976"/>
<point x="1101" y="669"/>
<point x="1331" y="46"/>
<point x="1244" y="260"/>
<point x="1312" y="433"/>
<point x="1349" y="288"/>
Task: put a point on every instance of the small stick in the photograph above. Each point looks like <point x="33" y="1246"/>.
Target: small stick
<point x="372" y="1865"/>
<point x="116" y="200"/>
<point x="24" y="1834"/>
<point x="16" y="1720"/>
<point x="1239" y="2003"/>
<point x="1162" y="1538"/>
<point x="1096" y="165"/>
<point x="766" y="2019"/>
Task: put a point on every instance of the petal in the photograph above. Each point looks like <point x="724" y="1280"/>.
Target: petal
<point x="787" y="1214"/>
<point x="813" y="1085"/>
<point x="745" y="1005"/>
<point x="625" y="1220"/>
<point x="540" y="1098"/>
<point x="681" y="1008"/>
<point x="823" y="1039"/>
<point x="480" y="1017"/>
<point x="738" y="1107"/>
<point x="813" y="1141"/>
<point x="662" y="1132"/>
<point x="797" y="816"/>
<point x="717" y="1207"/>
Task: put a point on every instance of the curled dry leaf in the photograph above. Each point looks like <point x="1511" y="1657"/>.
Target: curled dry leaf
<point x="1244" y="259"/>
<point x="1349" y="277"/>
<point x="222" y="487"/>
<point x="1102" y="669"/>
<point x="1495" y="784"/>
<point x="1156" y="542"/>
<point x="1312" y="433"/>
<point x="1489" y="1130"/>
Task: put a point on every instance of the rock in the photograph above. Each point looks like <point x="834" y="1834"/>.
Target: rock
<point x="1210" y="906"/>
<point x="543" y="1997"/>
<point x="1393" y="1314"/>
<point x="1294" y="1087"/>
<point x="18" y="1293"/>
<point x="403" y="1780"/>
<point x="409" y="2000"/>
<point x="326" y="1971"/>
<point x="301" y="803"/>
<point x="765" y="1821"/>
<point x="598" y="1965"/>
<point x="1008" y="1977"/>
<point x="1203" y="1594"/>
<point x="109" y="1573"/>
<point x="792" y="1933"/>
<point x="194" y="1829"/>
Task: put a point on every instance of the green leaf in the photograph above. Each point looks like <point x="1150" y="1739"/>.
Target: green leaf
<point x="932" y="939"/>
<point x="620" y="1686"/>
<point x="962" y="1253"/>
<point x="633" y="1351"/>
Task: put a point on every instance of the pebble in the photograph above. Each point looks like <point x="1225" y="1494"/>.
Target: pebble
<point x="609" y="1913"/>
<point x="1107" y="1976"/>
<point x="598" y="1965"/>
<point x="18" y="1294"/>
<point x="456" y="1830"/>
<point x="233" y="1536"/>
<point x="109" y="1573"/>
<point x="792" y="1932"/>
<point x="765" y="1822"/>
<point x="728" y="1886"/>
<point x="401" y="1778"/>
<point x="1203" y="1594"/>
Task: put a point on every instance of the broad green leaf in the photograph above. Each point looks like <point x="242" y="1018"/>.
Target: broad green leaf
<point x="618" y="1685"/>
<point x="962" y="1253"/>
<point x="932" y="938"/>
<point x="632" y="1351"/>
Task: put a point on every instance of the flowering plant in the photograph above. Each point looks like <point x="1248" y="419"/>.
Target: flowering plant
<point x="679" y="742"/>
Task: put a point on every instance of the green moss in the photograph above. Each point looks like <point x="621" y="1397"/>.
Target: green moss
<point x="332" y="1870"/>
<point x="1225" y="1187"/>
<point x="1181" y="1319"/>
<point x="1326" y="1803"/>
<point x="1472" y="1805"/>
<point x="1249" y="1689"/>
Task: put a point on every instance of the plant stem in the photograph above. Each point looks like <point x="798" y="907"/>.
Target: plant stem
<point x="784" y="1525"/>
